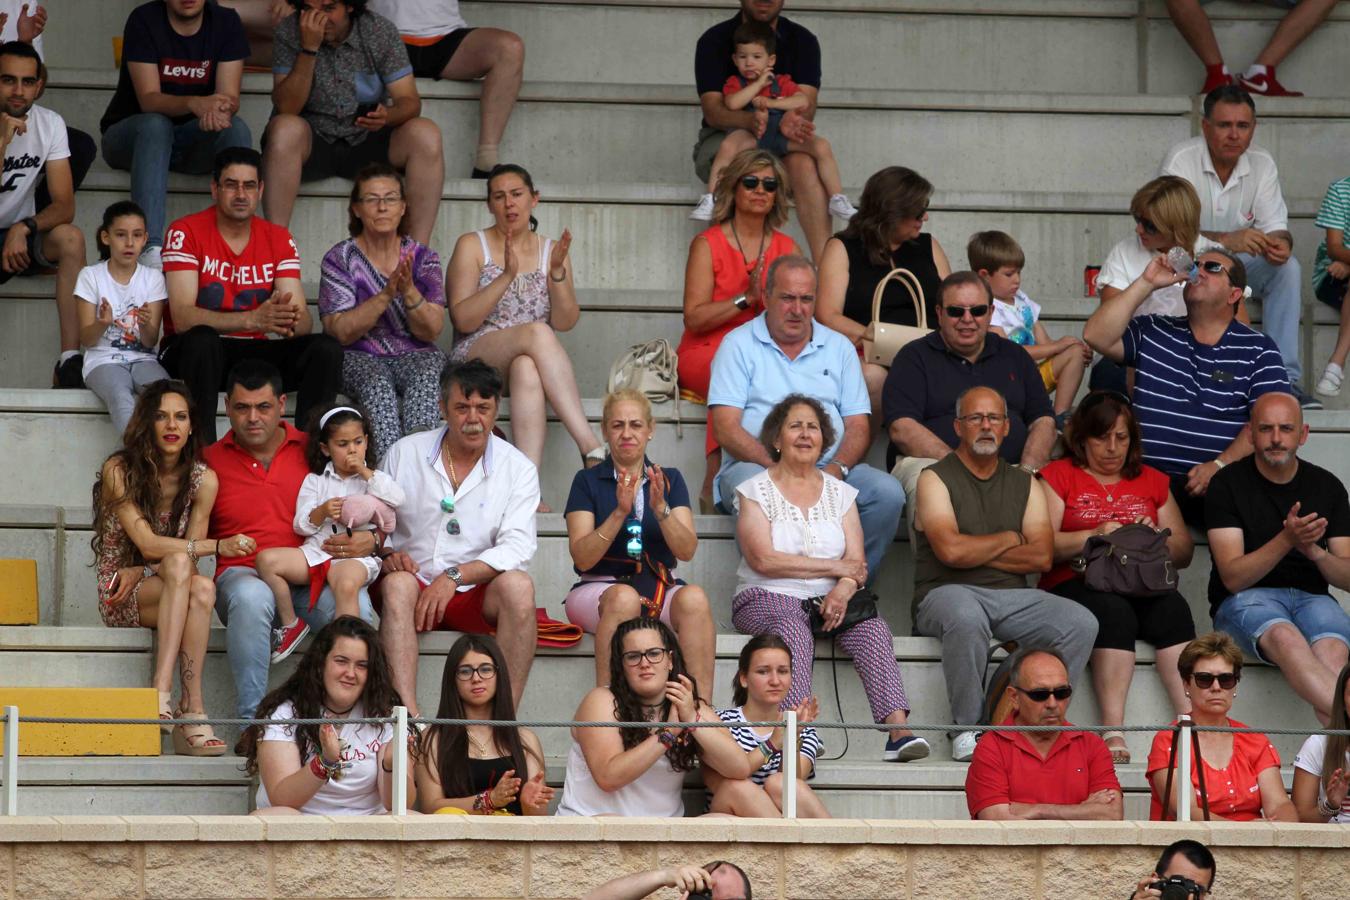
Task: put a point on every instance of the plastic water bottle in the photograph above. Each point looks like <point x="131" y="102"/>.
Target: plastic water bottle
<point x="1182" y="264"/>
<point x="633" y="528"/>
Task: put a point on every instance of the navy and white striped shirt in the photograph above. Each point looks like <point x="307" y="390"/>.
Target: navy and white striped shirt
<point x="1192" y="399"/>
<point x="747" y="740"/>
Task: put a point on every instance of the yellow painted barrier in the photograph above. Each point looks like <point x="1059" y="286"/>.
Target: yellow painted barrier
<point x="85" y="703"/>
<point x="18" y="592"/>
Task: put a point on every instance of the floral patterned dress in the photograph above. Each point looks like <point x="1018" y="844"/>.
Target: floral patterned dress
<point x="525" y="301"/>
<point x="118" y="552"/>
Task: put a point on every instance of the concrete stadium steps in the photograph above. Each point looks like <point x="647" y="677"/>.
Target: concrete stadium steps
<point x="127" y="786"/>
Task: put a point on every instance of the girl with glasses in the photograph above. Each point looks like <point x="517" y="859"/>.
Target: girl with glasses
<point x="640" y="771"/>
<point x="480" y="769"/>
<point x="1241" y="769"/>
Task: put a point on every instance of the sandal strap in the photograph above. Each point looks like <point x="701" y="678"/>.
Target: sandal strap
<point x="205" y="732"/>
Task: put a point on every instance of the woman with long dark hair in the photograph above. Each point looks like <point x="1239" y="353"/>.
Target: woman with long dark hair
<point x="152" y="503"/>
<point x="480" y="769"/>
<point x="335" y="768"/>
<point x="1322" y="765"/>
<point x="640" y="771"/>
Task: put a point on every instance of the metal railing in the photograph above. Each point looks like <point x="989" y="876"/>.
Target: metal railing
<point x="1184" y="728"/>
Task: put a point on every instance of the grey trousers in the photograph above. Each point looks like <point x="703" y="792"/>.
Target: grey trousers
<point x="118" y="384"/>
<point x="967" y="620"/>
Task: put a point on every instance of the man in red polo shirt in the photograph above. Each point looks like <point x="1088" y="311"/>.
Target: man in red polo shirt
<point x="260" y="465"/>
<point x="1041" y="774"/>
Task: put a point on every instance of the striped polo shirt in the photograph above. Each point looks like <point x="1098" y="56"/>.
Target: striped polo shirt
<point x="1192" y="399"/>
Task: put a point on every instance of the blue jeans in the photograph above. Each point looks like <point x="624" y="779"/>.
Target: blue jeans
<point x="149" y="145"/>
<point x="1249" y="614"/>
<point x="881" y="501"/>
<point x="249" y="612"/>
<point x="1279" y="288"/>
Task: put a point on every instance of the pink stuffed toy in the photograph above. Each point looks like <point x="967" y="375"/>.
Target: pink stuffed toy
<point x="365" y="509"/>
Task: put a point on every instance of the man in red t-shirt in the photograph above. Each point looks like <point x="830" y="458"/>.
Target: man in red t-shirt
<point x="235" y="294"/>
<point x="260" y="465"/>
<point x="1041" y="774"/>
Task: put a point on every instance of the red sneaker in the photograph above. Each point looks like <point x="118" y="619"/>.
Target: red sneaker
<point x="286" y="638"/>
<point x="1216" y="79"/>
<point x="1266" y="85"/>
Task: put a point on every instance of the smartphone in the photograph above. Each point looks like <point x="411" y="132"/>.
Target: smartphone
<point x="365" y="109"/>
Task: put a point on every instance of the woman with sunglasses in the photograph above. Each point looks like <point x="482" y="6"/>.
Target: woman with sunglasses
<point x="1241" y="769"/>
<point x="724" y="277"/>
<point x="480" y="769"/>
<point x="887" y="233"/>
<point x="1100" y="485"/>
<point x="628" y="522"/>
<point x="1322" y="765"/>
<point x="640" y="771"/>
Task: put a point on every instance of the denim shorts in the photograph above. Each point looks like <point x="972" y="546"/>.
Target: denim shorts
<point x="1248" y="614"/>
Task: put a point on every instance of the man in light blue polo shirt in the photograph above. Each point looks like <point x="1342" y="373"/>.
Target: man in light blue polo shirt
<point x="785" y="351"/>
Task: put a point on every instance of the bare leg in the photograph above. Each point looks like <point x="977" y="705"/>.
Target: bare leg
<point x="691" y="615"/>
<point x="1166" y="664"/>
<point x="809" y="805"/>
<point x="192" y="654"/>
<point x="617" y="604"/>
<point x="1068" y="368"/>
<point x="509" y="606"/>
<point x="1306" y="673"/>
<point x="288" y="143"/>
<point x="819" y="149"/>
<point x="737" y="139"/>
<point x="497" y="57"/>
<point x="1195" y="28"/>
<point x="259" y="26"/>
<point x="65" y="245"/>
<point x="875" y="377"/>
<point x="1297" y="24"/>
<point x="1111" y="674"/>
<point x="1343" y="335"/>
<point x="279" y="568"/>
<point x="898" y="718"/>
<point x="743" y="799"/>
<point x="710" y="470"/>
<point x="415" y="149"/>
<point x="811" y="201"/>
<point x="163" y="603"/>
<point x="529" y="418"/>
<point x="346" y="577"/>
<point x="399" y="590"/>
<point x="276" y="811"/>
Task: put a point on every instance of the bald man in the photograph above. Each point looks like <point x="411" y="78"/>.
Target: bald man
<point x="1279" y="533"/>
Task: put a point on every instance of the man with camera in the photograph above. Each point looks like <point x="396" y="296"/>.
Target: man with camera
<point x="1185" y="871"/>
<point x="718" y="880"/>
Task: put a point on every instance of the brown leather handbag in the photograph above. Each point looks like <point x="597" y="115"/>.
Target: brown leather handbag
<point x="885" y="339"/>
<point x="1131" y="561"/>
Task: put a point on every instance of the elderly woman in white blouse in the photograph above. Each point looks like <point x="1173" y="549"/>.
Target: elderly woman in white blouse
<point x="802" y="545"/>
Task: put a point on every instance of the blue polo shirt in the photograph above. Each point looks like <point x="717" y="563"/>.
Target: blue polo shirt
<point x="751" y="373"/>
<point x="595" y="490"/>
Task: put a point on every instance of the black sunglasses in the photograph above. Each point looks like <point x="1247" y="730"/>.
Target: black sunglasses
<point x="750" y="182"/>
<point x="1146" y="224"/>
<point x="1213" y="266"/>
<point x="957" y="312"/>
<point x="1040" y="695"/>
<point x="1205" y="680"/>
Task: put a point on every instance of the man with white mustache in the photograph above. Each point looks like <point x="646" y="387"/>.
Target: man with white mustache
<point x="1279" y="534"/>
<point x="980" y="529"/>
<point x="464" y="536"/>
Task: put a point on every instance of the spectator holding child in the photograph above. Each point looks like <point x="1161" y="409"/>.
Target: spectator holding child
<point x="1331" y="274"/>
<point x="998" y="259"/>
<point x="756" y="86"/>
<point x="121" y="314"/>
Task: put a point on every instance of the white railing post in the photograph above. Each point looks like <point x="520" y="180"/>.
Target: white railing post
<point x="10" y="804"/>
<point x="790" y="766"/>
<point x="1184" y="762"/>
<point x="400" y="773"/>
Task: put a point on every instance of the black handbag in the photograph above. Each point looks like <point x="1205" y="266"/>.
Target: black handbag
<point x="861" y="607"/>
<point x="1131" y="561"/>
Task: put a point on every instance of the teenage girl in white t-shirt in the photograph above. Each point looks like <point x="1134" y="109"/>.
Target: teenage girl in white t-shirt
<point x="1322" y="766"/>
<point x="121" y="314"/>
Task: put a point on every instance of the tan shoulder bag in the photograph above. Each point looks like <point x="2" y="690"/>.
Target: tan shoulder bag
<point x="886" y="338"/>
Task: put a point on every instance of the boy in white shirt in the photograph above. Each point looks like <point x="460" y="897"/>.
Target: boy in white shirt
<point x="997" y="258"/>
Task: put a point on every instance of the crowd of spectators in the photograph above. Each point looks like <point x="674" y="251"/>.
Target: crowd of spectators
<point x="405" y="500"/>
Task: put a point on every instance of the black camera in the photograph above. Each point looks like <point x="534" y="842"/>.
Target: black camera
<point x="701" y="895"/>
<point x="1178" y="887"/>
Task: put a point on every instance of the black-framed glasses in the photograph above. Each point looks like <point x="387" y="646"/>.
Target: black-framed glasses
<point x="1226" y="680"/>
<point x="957" y="312"/>
<point x="1040" y="695"/>
<point x="448" y="507"/>
<point x="1146" y="224"/>
<point x="750" y="182"/>
<point x="1213" y="266"/>
<point x="977" y="418"/>
<point x="652" y="655"/>
<point x="482" y="670"/>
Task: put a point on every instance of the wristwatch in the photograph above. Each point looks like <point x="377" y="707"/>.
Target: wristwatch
<point x="664" y="513"/>
<point x="741" y="302"/>
<point x="454" y="575"/>
<point x="843" y="469"/>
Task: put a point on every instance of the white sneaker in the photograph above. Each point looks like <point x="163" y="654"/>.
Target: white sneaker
<point x="703" y="212"/>
<point x="963" y="745"/>
<point x="150" y="257"/>
<point x="1329" y="385"/>
<point x="840" y="208"/>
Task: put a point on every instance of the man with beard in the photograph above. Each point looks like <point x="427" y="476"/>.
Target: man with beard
<point x="981" y="527"/>
<point x="464" y="536"/>
<point x="234" y="280"/>
<point x="1279" y="533"/>
<point x="1195" y="376"/>
<point x="33" y="140"/>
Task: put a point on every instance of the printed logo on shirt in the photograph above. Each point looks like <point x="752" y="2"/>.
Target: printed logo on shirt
<point x="19" y="167"/>
<point x="185" y="71"/>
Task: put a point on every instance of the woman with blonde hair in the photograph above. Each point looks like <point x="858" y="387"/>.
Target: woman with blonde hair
<point x="724" y="277"/>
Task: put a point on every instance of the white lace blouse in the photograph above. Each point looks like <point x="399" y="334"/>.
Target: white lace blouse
<point x="819" y="534"/>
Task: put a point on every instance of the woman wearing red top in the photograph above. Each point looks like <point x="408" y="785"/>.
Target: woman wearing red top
<point x="1101" y="485"/>
<point x="751" y="203"/>
<point x="1242" y="769"/>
